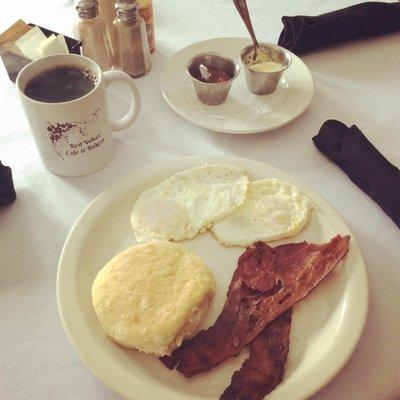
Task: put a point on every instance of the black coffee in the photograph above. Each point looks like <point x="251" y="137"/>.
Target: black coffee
<point x="60" y="84"/>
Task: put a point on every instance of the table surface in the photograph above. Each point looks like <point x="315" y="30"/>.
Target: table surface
<point x="356" y="83"/>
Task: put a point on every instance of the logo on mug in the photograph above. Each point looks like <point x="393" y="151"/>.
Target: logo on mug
<point x="69" y="138"/>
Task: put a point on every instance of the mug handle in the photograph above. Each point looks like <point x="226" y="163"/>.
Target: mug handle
<point x="133" y="112"/>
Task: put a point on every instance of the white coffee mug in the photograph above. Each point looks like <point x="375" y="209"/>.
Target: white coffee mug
<point x="74" y="138"/>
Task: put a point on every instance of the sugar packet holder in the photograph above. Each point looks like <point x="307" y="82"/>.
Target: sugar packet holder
<point x="14" y="62"/>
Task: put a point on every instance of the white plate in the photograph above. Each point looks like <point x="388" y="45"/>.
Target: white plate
<point x="326" y="325"/>
<point x="242" y="112"/>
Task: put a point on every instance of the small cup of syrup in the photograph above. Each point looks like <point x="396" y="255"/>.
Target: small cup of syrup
<point x="221" y="72"/>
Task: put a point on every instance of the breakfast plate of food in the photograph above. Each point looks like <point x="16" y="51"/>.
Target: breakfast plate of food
<point x="212" y="277"/>
<point x="243" y="112"/>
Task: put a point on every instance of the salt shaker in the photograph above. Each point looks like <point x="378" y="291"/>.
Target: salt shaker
<point x="90" y="29"/>
<point x="107" y="12"/>
<point x="131" y="46"/>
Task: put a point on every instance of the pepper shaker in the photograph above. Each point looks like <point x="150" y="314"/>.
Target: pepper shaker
<point x="131" y="46"/>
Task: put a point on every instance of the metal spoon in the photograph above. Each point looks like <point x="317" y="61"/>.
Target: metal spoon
<point x="241" y="6"/>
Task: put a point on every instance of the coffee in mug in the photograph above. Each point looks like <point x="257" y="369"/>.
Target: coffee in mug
<point x="60" y="84"/>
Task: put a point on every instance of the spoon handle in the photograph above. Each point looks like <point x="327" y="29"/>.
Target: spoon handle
<point x="241" y="6"/>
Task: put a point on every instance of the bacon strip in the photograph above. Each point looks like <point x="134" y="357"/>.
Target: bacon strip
<point x="264" y="368"/>
<point x="266" y="283"/>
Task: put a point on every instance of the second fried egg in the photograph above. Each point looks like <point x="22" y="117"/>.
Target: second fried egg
<point x="273" y="209"/>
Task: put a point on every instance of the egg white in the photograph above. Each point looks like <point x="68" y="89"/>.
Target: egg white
<point x="188" y="202"/>
<point x="273" y="209"/>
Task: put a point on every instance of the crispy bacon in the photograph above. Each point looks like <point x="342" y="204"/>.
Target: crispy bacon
<point x="267" y="282"/>
<point x="264" y="368"/>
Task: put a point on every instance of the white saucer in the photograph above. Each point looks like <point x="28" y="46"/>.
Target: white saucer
<point x="242" y="112"/>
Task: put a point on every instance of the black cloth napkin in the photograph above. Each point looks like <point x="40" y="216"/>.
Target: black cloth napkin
<point x="362" y="162"/>
<point x="302" y="34"/>
<point x="7" y="192"/>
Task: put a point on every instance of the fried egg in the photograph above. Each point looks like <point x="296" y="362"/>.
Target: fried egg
<point x="188" y="203"/>
<point x="273" y="209"/>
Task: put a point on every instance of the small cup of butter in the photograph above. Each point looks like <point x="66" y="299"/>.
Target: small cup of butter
<point x="212" y="75"/>
<point x="264" y="71"/>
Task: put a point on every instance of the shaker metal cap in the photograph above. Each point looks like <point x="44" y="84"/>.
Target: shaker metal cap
<point x="87" y="8"/>
<point x="127" y="5"/>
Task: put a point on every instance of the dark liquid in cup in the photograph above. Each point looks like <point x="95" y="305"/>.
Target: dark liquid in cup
<point x="60" y="84"/>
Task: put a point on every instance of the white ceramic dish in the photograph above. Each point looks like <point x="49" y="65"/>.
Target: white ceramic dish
<point x="326" y="325"/>
<point x="242" y="112"/>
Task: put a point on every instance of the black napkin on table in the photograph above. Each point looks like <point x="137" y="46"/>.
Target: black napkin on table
<point x="7" y="192"/>
<point x="362" y="162"/>
<point x="302" y="34"/>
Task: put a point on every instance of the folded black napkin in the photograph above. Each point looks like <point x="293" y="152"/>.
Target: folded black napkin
<point x="363" y="163"/>
<point x="7" y="192"/>
<point x="302" y="34"/>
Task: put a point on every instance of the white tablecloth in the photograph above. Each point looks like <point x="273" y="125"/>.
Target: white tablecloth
<point x="356" y="83"/>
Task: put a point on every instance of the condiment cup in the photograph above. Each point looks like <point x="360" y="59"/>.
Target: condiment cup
<point x="212" y="93"/>
<point x="260" y="82"/>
